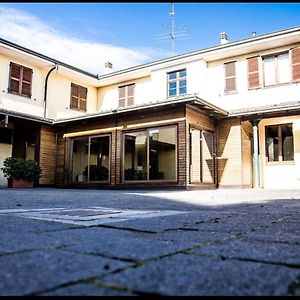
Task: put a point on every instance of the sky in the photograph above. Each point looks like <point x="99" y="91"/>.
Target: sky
<point x="87" y="35"/>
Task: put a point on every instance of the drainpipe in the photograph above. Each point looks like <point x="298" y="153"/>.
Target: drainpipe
<point x="46" y="86"/>
<point x="255" y="153"/>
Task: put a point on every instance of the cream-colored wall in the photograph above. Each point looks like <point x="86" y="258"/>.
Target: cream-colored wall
<point x="214" y="89"/>
<point x="5" y="151"/>
<point x="58" y="97"/>
<point x="284" y="175"/>
<point x="58" y="94"/>
<point x="33" y="105"/>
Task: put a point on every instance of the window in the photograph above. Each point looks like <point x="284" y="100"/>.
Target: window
<point x="126" y="95"/>
<point x="176" y="83"/>
<point x="150" y="154"/>
<point x="20" y="80"/>
<point x="230" y="85"/>
<point x="276" y="69"/>
<point x="78" y="97"/>
<point x="279" y="143"/>
<point x="90" y="159"/>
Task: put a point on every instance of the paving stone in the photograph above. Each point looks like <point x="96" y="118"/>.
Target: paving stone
<point x="117" y="244"/>
<point x="194" y="275"/>
<point x="254" y="250"/>
<point x="37" y="271"/>
<point x="87" y="290"/>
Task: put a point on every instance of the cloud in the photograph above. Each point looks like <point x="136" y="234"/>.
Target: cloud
<point x="31" y="32"/>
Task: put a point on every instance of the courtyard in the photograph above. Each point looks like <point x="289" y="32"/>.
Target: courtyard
<point x="149" y="242"/>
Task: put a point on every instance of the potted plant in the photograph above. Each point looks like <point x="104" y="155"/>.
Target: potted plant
<point x="20" y="172"/>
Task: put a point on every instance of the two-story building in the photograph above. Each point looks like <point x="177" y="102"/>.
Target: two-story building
<point x="225" y="116"/>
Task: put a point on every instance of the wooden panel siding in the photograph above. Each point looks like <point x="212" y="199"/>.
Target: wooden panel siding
<point x="60" y="159"/>
<point x="229" y="153"/>
<point x="47" y="155"/>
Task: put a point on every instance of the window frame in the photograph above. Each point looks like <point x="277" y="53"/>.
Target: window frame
<point x="21" y="79"/>
<point x="125" y="98"/>
<point x="280" y="160"/>
<point x="226" y="92"/>
<point x="177" y="80"/>
<point x="276" y="69"/>
<point x="78" y="97"/>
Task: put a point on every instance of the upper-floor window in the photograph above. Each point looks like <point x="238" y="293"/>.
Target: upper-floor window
<point x="276" y="69"/>
<point x="78" y="97"/>
<point x="176" y="83"/>
<point x="230" y="81"/>
<point x="20" y="80"/>
<point x="279" y="142"/>
<point x="126" y="95"/>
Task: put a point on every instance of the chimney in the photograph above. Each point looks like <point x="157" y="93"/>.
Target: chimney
<point x="108" y="67"/>
<point x="223" y="38"/>
<point x="253" y="33"/>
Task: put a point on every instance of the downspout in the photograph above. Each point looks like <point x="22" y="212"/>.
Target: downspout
<point x="46" y="86"/>
<point x="255" y="153"/>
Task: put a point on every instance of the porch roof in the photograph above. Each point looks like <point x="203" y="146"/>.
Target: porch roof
<point x="193" y="99"/>
<point x="266" y="110"/>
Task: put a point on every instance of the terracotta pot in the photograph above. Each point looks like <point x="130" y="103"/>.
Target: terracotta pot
<point x="19" y="183"/>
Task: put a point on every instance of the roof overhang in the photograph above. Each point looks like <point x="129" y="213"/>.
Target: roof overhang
<point x="260" y="112"/>
<point x="192" y="99"/>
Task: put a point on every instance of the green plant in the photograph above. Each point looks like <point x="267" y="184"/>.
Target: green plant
<point x="21" y="169"/>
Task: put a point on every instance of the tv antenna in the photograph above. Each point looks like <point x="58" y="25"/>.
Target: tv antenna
<point x="174" y="34"/>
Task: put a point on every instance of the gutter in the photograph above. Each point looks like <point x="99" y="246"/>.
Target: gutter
<point x="46" y="87"/>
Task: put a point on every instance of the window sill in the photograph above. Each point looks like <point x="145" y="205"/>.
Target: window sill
<point x="280" y="163"/>
<point x="21" y="95"/>
<point x="276" y="85"/>
<point x="230" y="93"/>
<point x="76" y="109"/>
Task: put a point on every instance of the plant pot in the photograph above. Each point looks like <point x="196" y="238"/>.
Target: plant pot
<point x="19" y="183"/>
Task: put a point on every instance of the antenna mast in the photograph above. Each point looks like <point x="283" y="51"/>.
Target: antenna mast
<point x="175" y="34"/>
<point x="172" y="14"/>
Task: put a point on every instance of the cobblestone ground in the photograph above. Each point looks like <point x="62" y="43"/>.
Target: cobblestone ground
<point x="104" y="242"/>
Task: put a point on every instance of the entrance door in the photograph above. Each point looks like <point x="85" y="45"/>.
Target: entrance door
<point x="202" y="165"/>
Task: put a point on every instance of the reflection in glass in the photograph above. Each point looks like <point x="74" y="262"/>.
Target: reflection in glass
<point x="79" y="159"/>
<point x="135" y="156"/>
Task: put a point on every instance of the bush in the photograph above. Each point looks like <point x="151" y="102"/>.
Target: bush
<point x="21" y="169"/>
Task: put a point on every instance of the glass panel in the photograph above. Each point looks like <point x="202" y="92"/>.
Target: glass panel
<point x="30" y="147"/>
<point x="182" y="90"/>
<point x="283" y="68"/>
<point x="135" y="156"/>
<point x="80" y="160"/>
<point x="99" y="159"/>
<point x="269" y="71"/>
<point x="272" y="143"/>
<point x="182" y="73"/>
<point x="230" y="69"/>
<point x="172" y="85"/>
<point x="172" y="92"/>
<point x="182" y="83"/>
<point x="287" y="142"/>
<point x="172" y="75"/>
<point x="162" y="156"/>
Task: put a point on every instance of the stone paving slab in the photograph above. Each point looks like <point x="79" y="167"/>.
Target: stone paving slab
<point x="193" y="275"/>
<point x="87" y="290"/>
<point x="253" y="250"/>
<point x="116" y="243"/>
<point x="37" y="271"/>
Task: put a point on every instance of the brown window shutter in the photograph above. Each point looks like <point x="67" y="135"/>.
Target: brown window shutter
<point x="26" y="82"/>
<point x="15" y="78"/>
<point x="122" y="102"/>
<point x="82" y="105"/>
<point x="74" y="96"/>
<point x="130" y="101"/>
<point x="295" y="64"/>
<point x="230" y="84"/>
<point x="253" y="73"/>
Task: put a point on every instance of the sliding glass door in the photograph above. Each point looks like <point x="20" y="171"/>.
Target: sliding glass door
<point x="150" y="154"/>
<point x="90" y="159"/>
